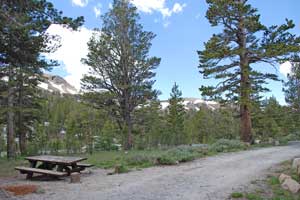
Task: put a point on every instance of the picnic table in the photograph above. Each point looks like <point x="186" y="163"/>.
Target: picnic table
<point x="55" y="166"/>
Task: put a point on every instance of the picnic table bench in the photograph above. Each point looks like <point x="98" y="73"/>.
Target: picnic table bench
<point x="53" y="166"/>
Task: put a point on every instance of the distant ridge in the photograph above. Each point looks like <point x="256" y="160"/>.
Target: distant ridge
<point x="194" y="104"/>
<point x="55" y="83"/>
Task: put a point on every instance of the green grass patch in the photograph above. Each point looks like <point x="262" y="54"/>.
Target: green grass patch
<point x="252" y="196"/>
<point x="273" y="180"/>
<point x="236" y="195"/>
<point x="7" y="167"/>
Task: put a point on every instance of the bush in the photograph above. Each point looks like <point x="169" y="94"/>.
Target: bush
<point x="167" y="160"/>
<point x="183" y="154"/>
<point x="225" y="145"/>
<point x="180" y="154"/>
<point x="140" y="160"/>
<point x="121" y="168"/>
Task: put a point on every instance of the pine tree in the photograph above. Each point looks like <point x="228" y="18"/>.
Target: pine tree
<point x="23" y="38"/>
<point x="120" y="64"/>
<point x="175" y="117"/>
<point x="292" y="87"/>
<point x="231" y="55"/>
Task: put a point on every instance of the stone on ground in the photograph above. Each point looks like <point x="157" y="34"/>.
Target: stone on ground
<point x="291" y="185"/>
<point x="75" y="178"/>
<point x="283" y="177"/>
<point x="296" y="163"/>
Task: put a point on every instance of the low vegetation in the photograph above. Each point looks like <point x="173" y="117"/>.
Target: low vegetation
<point x="270" y="188"/>
<point x="136" y="159"/>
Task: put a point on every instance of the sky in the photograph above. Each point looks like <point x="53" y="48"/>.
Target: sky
<point x="181" y="30"/>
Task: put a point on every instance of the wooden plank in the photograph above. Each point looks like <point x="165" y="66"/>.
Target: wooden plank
<point x="41" y="171"/>
<point x="84" y="165"/>
<point x="56" y="159"/>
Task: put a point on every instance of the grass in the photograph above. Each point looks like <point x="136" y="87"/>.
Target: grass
<point x="236" y="195"/>
<point x="7" y="167"/>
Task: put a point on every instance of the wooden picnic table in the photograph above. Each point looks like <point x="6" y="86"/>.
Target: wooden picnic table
<point x="53" y="165"/>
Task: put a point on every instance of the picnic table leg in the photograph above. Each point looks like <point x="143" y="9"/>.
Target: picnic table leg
<point x="76" y="168"/>
<point x="65" y="168"/>
<point x="32" y="165"/>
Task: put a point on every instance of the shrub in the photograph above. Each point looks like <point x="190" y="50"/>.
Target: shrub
<point x="166" y="160"/>
<point x="121" y="168"/>
<point x="140" y="159"/>
<point x="179" y="154"/>
<point x="183" y="154"/>
<point x="225" y="145"/>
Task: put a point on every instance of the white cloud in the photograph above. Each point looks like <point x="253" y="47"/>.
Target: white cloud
<point x="81" y="3"/>
<point x="150" y="6"/>
<point x="97" y="10"/>
<point x="73" y="48"/>
<point x="285" y="68"/>
<point x="177" y="8"/>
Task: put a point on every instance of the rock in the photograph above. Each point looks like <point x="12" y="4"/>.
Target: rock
<point x="257" y="141"/>
<point x="75" y="178"/>
<point x="296" y="163"/>
<point x="276" y="143"/>
<point x="291" y="185"/>
<point x="271" y="141"/>
<point x="283" y="177"/>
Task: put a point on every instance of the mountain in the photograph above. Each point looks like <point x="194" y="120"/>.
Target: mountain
<point x="54" y="83"/>
<point x="194" y="104"/>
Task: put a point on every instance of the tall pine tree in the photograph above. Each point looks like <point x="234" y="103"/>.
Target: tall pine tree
<point x="23" y="39"/>
<point x="292" y="87"/>
<point x="175" y="117"/>
<point x="230" y="56"/>
<point x="120" y="64"/>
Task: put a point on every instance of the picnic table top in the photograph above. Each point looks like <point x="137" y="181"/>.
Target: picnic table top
<point x="56" y="159"/>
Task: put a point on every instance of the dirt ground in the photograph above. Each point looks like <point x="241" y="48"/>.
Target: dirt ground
<point x="211" y="178"/>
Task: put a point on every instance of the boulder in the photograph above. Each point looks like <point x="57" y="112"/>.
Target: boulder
<point x="257" y="141"/>
<point x="276" y="143"/>
<point x="296" y="163"/>
<point x="283" y="177"/>
<point x="291" y="185"/>
<point x="75" y="178"/>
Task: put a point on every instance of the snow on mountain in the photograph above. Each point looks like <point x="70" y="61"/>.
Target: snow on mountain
<point x="54" y="83"/>
<point x="194" y="104"/>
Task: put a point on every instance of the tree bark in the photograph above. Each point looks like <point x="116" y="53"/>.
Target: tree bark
<point x="129" y="140"/>
<point x="245" y="86"/>
<point x="10" y="120"/>
<point x="21" y="129"/>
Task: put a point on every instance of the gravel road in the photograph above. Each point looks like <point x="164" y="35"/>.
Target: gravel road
<point x="209" y="178"/>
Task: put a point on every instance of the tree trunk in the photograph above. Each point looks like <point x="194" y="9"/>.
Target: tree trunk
<point x="22" y="142"/>
<point x="10" y="120"/>
<point x="21" y="129"/>
<point x="245" y="86"/>
<point x="245" y="104"/>
<point x="246" y="124"/>
<point x="129" y="140"/>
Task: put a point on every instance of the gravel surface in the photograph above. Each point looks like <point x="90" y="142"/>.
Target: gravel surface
<point x="212" y="178"/>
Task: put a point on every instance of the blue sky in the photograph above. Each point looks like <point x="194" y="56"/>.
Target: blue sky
<point x="181" y="29"/>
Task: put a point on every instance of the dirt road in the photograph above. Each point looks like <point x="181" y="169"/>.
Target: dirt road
<point x="209" y="178"/>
